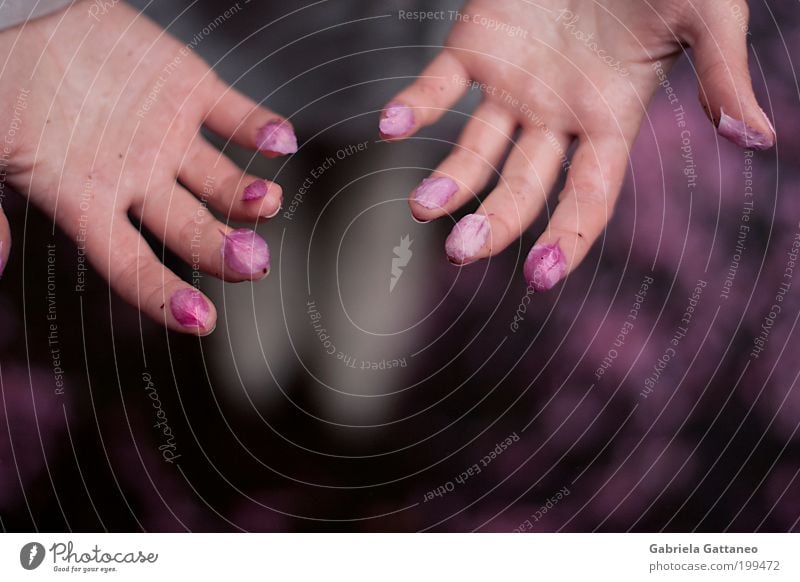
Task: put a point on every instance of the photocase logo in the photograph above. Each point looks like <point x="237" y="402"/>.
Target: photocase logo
<point x="402" y="255"/>
<point x="31" y="555"/>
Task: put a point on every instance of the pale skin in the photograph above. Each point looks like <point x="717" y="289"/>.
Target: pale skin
<point x="93" y="145"/>
<point x="83" y="154"/>
<point x="562" y="71"/>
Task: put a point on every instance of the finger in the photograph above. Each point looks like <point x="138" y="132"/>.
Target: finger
<point x="528" y="176"/>
<point x="237" y="117"/>
<point x="719" y="39"/>
<point x="468" y="168"/>
<point x="214" y="178"/>
<point x="5" y="241"/>
<point x="423" y="102"/>
<point x="585" y="206"/>
<point x="190" y="231"/>
<point x="122" y="256"/>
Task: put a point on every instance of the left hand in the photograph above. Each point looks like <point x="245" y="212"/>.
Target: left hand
<point x="581" y="69"/>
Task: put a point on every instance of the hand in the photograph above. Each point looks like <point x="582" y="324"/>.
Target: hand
<point x="101" y="118"/>
<point x="581" y="69"/>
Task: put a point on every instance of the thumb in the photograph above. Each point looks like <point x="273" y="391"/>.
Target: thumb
<point x="5" y="241"/>
<point x="718" y="35"/>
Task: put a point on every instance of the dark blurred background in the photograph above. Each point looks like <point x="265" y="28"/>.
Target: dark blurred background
<point x="270" y="432"/>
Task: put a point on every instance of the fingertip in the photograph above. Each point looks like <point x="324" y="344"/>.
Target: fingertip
<point x="434" y="193"/>
<point x="467" y="242"/>
<point x="416" y="219"/>
<point x="745" y="135"/>
<point x="397" y="121"/>
<point x="245" y="254"/>
<point x="255" y="190"/>
<point x="191" y="312"/>
<point x="431" y="197"/>
<point x="263" y="197"/>
<point x="768" y="121"/>
<point x="426" y="99"/>
<point x="207" y="331"/>
<point x="545" y="266"/>
<point x="420" y="214"/>
<point x="726" y="87"/>
<point x="234" y="115"/>
<point x="276" y="138"/>
<point x="234" y="195"/>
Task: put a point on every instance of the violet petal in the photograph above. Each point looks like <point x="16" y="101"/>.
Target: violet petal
<point x="190" y="308"/>
<point x="435" y="192"/>
<point x="245" y="252"/>
<point x="545" y="266"/>
<point x="255" y="191"/>
<point x="397" y="120"/>
<point x="277" y="137"/>
<point x="742" y="134"/>
<point x="467" y="238"/>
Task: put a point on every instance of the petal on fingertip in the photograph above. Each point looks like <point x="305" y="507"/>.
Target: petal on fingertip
<point x="277" y="137"/>
<point x="396" y="120"/>
<point x="246" y="253"/>
<point x="742" y="134"/>
<point x="190" y="309"/>
<point x="434" y="193"/>
<point x="545" y="266"/>
<point x="467" y="238"/>
<point x="255" y="191"/>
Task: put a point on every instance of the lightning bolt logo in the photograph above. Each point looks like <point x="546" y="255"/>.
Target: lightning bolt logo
<point x="402" y="256"/>
<point x="31" y="555"/>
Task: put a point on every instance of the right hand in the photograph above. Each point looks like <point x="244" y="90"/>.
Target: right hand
<point x="102" y="117"/>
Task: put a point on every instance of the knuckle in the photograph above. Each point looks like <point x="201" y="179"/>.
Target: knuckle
<point x="523" y="189"/>
<point x="476" y="154"/>
<point x="150" y="281"/>
<point x="135" y="272"/>
<point x="466" y="156"/>
<point x="192" y="228"/>
<point x="127" y="270"/>
<point x="586" y="194"/>
<point x="431" y="91"/>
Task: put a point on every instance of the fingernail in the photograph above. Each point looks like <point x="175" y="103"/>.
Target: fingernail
<point x="467" y="238"/>
<point x="255" y="191"/>
<point x="245" y="252"/>
<point x="418" y="221"/>
<point x="189" y="308"/>
<point x="742" y="134"/>
<point x="277" y="137"/>
<point x="545" y="266"/>
<point x="274" y="213"/>
<point x="396" y="120"/>
<point x="434" y="192"/>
